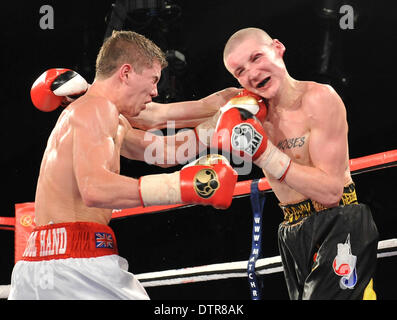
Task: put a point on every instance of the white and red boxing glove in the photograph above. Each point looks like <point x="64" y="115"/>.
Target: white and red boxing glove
<point x="57" y="87"/>
<point x="209" y="180"/>
<point x="248" y="101"/>
<point x="243" y="100"/>
<point x="240" y="132"/>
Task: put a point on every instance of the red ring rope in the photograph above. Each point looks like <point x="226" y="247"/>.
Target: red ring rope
<point x="358" y="165"/>
<point x="372" y="162"/>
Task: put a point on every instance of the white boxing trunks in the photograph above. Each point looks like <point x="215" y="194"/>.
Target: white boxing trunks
<point x="76" y="261"/>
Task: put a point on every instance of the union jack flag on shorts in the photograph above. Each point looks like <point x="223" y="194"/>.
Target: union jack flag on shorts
<point x="103" y="240"/>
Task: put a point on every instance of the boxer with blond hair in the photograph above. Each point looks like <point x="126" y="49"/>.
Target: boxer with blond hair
<point x="328" y="240"/>
<point x="72" y="252"/>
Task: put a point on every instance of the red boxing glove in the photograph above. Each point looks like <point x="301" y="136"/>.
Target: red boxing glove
<point x="209" y="180"/>
<point x="244" y="100"/>
<point x="240" y="132"/>
<point x="248" y="101"/>
<point x="56" y="87"/>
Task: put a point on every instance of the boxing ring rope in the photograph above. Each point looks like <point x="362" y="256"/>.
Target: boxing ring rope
<point x="238" y="269"/>
<point x="359" y="165"/>
<point x="386" y="248"/>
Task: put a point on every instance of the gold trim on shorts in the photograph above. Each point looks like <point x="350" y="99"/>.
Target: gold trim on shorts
<point x="295" y="212"/>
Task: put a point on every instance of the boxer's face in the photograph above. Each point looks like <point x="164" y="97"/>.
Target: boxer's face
<point x="258" y="67"/>
<point x="141" y="88"/>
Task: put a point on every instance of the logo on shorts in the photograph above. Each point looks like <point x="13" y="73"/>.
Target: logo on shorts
<point x="103" y="240"/>
<point x="246" y="138"/>
<point x="344" y="265"/>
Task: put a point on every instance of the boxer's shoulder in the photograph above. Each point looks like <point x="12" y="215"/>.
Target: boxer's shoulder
<point x="317" y="92"/>
<point x="94" y="112"/>
<point x="90" y="104"/>
<point x="320" y="100"/>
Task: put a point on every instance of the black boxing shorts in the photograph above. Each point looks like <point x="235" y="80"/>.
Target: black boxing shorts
<point x="329" y="254"/>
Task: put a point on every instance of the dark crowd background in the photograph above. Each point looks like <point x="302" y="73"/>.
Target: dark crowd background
<point x="359" y="63"/>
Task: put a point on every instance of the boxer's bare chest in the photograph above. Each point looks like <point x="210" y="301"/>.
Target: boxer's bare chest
<point x="290" y="132"/>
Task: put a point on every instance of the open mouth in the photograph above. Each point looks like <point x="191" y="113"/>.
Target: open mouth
<point x="263" y="83"/>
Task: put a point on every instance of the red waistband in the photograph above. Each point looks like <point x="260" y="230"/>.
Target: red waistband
<point x="70" y="240"/>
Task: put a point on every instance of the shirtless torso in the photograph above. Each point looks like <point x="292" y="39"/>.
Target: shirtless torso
<point x="306" y="120"/>
<point x="80" y="178"/>
<point x="80" y="172"/>
<point x="290" y="130"/>
<point x="58" y="197"/>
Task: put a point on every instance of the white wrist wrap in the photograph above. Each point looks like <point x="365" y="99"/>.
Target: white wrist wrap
<point x="160" y="189"/>
<point x="273" y="161"/>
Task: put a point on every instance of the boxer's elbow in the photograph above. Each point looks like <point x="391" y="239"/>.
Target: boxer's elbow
<point x="94" y="195"/>
<point x="330" y="201"/>
<point x="332" y="196"/>
<point x="91" y="197"/>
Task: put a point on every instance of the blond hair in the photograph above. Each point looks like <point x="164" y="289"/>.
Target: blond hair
<point x="127" y="47"/>
<point x="241" y="35"/>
